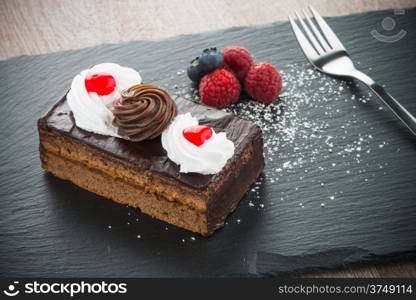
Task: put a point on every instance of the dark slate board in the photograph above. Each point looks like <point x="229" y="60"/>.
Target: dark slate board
<point x="50" y="227"/>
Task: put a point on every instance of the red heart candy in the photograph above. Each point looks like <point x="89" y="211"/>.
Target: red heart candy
<point x="197" y="134"/>
<point x="102" y="84"/>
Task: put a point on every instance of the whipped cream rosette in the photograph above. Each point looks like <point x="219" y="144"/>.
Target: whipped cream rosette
<point x="196" y="148"/>
<point x="110" y="100"/>
<point x="92" y="93"/>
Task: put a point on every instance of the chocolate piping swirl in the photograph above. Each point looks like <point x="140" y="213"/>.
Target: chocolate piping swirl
<point x="143" y="112"/>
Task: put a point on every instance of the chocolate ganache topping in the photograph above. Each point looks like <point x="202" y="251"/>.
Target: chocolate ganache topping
<point x="143" y="112"/>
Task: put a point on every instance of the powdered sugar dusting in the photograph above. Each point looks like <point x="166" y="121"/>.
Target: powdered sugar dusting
<point x="306" y="127"/>
<point x="319" y="125"/>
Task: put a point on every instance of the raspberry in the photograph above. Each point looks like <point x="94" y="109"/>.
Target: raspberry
<point x="219" y="88"/>
<point x="263" y="82"/>
<point x="238" y="60"/>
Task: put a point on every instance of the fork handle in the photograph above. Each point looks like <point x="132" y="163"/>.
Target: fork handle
<point x="399" y="111"/>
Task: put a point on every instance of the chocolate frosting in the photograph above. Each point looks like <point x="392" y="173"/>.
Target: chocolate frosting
<point x="143" y="112"/>
<point x="150" y="155"/>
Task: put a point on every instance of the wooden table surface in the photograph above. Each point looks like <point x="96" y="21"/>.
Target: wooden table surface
<point x="43" y="26"/>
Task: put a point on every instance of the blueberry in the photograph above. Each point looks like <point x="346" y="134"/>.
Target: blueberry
<point x="210" y="59"/>
<point x="194" y="70"/>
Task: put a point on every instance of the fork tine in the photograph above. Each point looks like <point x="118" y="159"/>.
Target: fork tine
<point x="309" y="34"/>
<point x="315" y="30"/>
<point x="307" y="48"/>
<point x="330" y="36"/>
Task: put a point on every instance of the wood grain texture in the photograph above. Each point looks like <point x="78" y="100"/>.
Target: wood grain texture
<point x="390" y="270"/>
<point x="42" y="36"/>
<point x="42" y="26"/>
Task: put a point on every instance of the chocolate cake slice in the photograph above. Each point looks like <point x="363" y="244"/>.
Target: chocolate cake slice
<point x="141" y="175"/>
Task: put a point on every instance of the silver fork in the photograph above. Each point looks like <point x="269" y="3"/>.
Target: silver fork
<point x="327" y="54"/>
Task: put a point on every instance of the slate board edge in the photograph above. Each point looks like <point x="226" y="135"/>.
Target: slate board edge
<point x="304" y="264"/>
